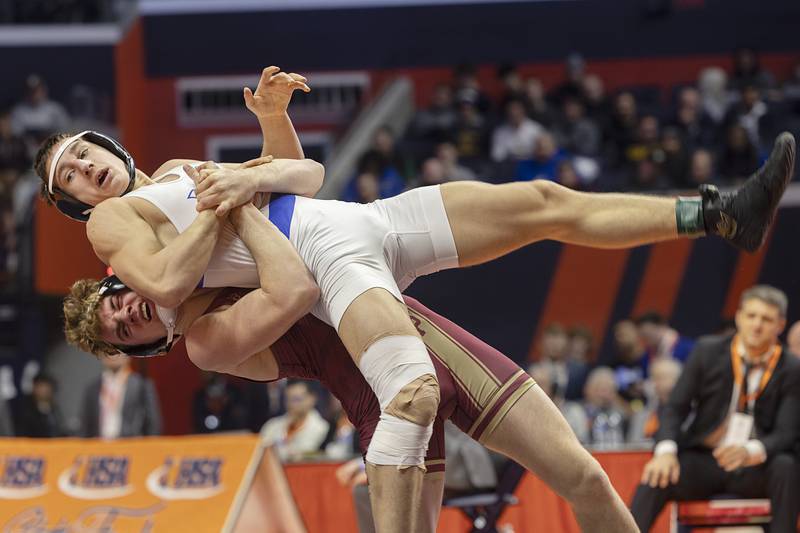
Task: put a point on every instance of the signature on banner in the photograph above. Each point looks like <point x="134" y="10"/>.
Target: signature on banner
<point x="101" y="518"/>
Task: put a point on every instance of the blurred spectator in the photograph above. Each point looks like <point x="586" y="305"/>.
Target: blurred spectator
<point x="341" y="442"/>
<point x="13" y="152"/>
<point x="466" y="80"/>
<point x="567" y="176"/>
<point x="515" y="138"/>
<point x="544" y="164"/>
<point x="573" y="411"/>
<point x="567" y="375"/>
<point x="622" y="130"/>
<point x="576" y="133"/>
<point x="598" y="106"/>
<point x="38" y="415"/>
<point x="37" y="116"/>
<point x="696" y="128"/>
<point x="302" y="430"/>
<point x="750" y="113"/>
<point x="513" y="88"/>
<point x="536" y="105"/>
<point x="713" y="85"/>
<point x="6" y="422"/>
<point x="367" y="188"/>
<point x="383" y="157"/>
<point x="377" y="164"/>
<point x="664" y="373"/>
<point x="739" y="156"/>
<point x="572" y="87"/>
<point x="647" y="142"/>
<point x="660" y="340"/>
<point x="701" y="169"/>
<point x="791" y="88"/>
<point x="648" y="175"/>
<point x="675" y="157"/>
<point x="218" y="406"/>
<point x="607" y="420"/>
<point x="748" y="72"/>
<point x="469" y="466"/>
<point x="447" y="154"/>
<point x="793" y="338"/>
<point x="432" y="173"/>
<point x="120" y="403"/>
<point x="437" y="121"/>
<point x="628" y="365"/>
<point x="470" y="133"/>
<point x="581" y="344"/>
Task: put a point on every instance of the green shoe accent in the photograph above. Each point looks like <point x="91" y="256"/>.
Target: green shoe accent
<point x="689" y="217"/>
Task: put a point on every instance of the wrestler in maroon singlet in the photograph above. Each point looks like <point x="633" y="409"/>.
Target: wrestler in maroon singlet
<point x="478" y="384"/>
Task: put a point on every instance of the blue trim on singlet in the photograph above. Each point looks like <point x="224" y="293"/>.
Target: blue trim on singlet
<point x="281" y="209"/>
<point x="200" y="285"/>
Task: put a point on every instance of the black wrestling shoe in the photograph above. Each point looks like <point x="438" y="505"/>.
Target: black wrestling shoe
<point x="743" y="217"/>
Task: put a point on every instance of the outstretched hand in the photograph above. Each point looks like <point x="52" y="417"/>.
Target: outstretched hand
<point x="274" y="91"/>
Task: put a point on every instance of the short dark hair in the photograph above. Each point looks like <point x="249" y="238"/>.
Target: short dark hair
<point x="40" y="162"/>
<point x="43" y="377"/>
<point x="769" y="295"/>
<point x="650" y="317"/>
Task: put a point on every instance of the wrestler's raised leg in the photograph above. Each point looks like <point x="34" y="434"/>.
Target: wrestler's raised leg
<point x="491" y="220"/>
<point x="379" y="335"/>
<point x="534" y="434"/>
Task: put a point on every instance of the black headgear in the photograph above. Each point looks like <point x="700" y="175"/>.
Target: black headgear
<point x="112" y="285"/>
<point x="68" y="204"/>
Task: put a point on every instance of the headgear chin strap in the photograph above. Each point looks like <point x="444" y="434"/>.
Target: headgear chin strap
<point x="68" y="204"/>
<point x="112" y="285"/>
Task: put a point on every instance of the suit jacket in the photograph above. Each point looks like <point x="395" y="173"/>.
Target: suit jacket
<point x="705" y="389"/>
<point x="141" y="414"/>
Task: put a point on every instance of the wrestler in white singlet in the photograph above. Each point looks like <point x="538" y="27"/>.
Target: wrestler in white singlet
<point x="349" y="248"/>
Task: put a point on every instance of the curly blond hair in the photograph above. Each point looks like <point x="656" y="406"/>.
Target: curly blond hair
<point x="81" y="318"/>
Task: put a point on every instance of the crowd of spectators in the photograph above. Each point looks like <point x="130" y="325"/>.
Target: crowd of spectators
<point x="716" y="130"/>
<point x="616" y="403"/>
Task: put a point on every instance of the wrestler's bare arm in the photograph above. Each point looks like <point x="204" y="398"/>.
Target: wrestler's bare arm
<point x="269" y="104"/>
<point x="223" y="340"/>
<point x="123" y="239"/>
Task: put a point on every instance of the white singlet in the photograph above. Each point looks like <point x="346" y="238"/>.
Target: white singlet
<point x="349" y="248"/>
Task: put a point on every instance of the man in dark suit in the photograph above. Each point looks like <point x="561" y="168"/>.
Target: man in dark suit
<point x="120" y="403"/>
<point x="744" y="394"/>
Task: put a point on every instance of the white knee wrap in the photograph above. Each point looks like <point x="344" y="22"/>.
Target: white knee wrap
<point x="388" y="365"/>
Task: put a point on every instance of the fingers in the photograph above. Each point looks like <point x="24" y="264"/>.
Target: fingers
<point x="675" y="475"/>
<point x="223" y="208"/>
<point x="256" y="162"/>
<point x="267" y="73"/>
<point x="248" y="98"/>
<point x="298" y="77"/>
<point x="191" y="172"/>
<point x="294" y="85"/>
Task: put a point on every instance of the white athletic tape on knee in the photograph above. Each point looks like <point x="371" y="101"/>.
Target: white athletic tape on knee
<point x="391" y="363"/>
<point x="397" y="442"/>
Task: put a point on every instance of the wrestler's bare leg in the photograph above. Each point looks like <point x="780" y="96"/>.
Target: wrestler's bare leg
<point x="432" y="494"/>
<point x="534" y="434"/>
<point x="489" y="221"/>
<point x="395" y="493"/>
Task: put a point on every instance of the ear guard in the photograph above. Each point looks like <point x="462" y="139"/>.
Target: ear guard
<point x="112" y="285"/>
<point x="71" y="206"/>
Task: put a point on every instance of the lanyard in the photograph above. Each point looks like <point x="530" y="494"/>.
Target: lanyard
<point x="739" y="377"/>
